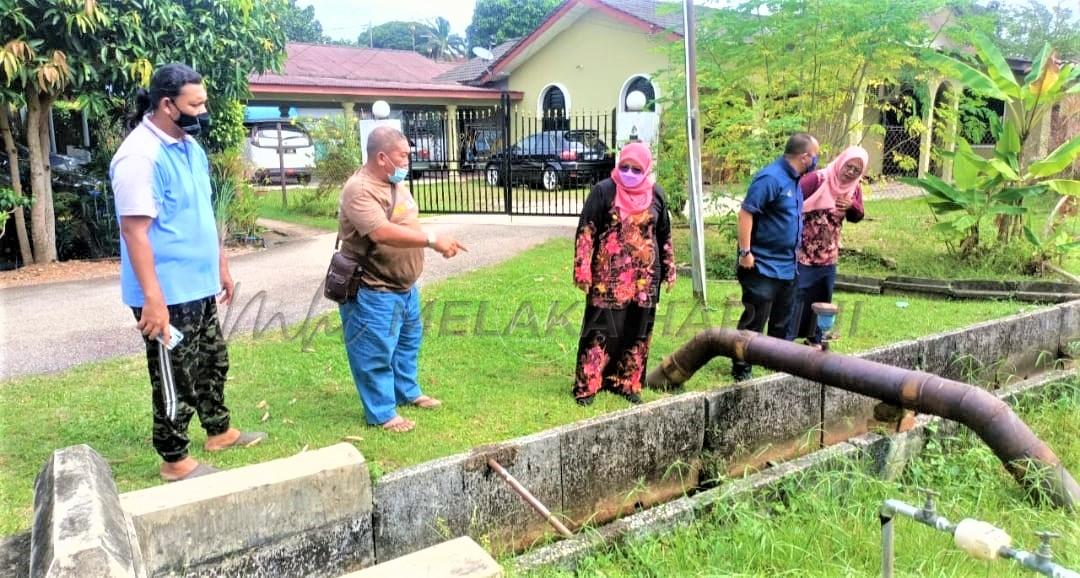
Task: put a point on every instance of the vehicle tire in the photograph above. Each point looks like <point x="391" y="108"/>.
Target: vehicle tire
<point x="493" y="176"/>
<point x="303" y="180"/>
<point x="549" y="179"/>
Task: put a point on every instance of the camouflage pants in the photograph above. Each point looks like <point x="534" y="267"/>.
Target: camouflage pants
<point x="188" y="379"/>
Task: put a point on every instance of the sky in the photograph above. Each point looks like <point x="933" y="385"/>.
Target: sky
<point x="346" y="19"/>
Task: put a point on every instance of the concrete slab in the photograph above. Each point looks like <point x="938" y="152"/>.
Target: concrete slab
<point x="1033" y="340"/>
<point x="633" y="458"/>
<point x="15" y="555"/>
<point x="846" y="413"/>
<point x="768" y="419"/>
<point x="499" y="517"/>
<point x="79" y="527"/>
<point x="419" y="507"/>
<point x="305" y="515"/>
<point x="457" y="558"/>
<point x="971" y="355"/>
<point x="1069" y="330"/>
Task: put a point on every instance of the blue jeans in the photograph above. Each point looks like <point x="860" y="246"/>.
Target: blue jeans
<point x="382" y="333"/>
<point x="814" y="285"/>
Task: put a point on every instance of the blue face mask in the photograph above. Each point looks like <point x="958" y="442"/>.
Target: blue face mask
<point x="399" y="173"/>
<point x="813" y="164"/>
<point x="398" y="176"/>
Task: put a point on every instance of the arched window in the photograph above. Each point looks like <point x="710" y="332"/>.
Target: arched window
<point x="555" y="108"/>
<point x="644" y="86"/>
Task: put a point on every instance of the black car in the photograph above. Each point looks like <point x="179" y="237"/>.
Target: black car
<point x="68" y="173"/>
<point x="552" y="159"/>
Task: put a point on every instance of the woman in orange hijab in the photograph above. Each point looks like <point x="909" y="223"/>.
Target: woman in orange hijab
<point x="831" y="195"/>
<point x="623" y="254"/>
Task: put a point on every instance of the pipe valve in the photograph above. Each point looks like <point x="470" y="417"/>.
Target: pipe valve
<point x="928" y="506"/>
<point x="1045" y="537"/>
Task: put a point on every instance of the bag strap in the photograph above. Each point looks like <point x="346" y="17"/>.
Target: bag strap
<point x="389" y="214"/>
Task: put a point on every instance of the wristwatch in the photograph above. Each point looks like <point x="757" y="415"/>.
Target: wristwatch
<point x="743" y="253"/>
<point x="431" y="239"/>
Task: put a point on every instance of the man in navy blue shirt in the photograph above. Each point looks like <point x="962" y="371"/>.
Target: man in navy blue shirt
<point x="770" y="227"/>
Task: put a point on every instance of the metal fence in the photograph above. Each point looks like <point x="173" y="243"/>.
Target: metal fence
<point x="503" y="161"/>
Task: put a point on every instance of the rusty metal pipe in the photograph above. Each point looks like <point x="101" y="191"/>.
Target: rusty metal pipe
<point x="1027" y="458"/>
<point x="529" y="498"/>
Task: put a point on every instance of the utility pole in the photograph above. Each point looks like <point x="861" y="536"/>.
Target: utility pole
<point x="693" y="136"/>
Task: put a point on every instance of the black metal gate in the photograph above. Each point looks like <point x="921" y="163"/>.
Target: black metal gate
<point x="496" y="160"/>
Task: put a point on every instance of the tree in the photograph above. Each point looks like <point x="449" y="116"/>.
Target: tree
<point x="94" y="51"/>
<point x="301" y="25"/>
<point x="810" y="65"/>
<point x="396" y="34"/>
<point x="496" y="21"/>
<point x="999" y="185"/>
<point x="1022" y="29"/>
<point x="440" y="44"/>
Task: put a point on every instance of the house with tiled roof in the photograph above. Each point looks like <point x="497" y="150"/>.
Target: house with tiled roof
<point x="319" y="79"/>
<point x="586" y="57"/>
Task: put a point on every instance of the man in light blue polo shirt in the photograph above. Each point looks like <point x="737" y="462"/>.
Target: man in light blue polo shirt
<point x="172" y="267"/>
<point x="770" y="228"/>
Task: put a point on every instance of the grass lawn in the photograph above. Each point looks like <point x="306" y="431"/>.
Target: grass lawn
<point x="499" y="378"/>
<point x="316" y="215"/>
<point x="896" y="230"/>
<point x="828" y="525"/>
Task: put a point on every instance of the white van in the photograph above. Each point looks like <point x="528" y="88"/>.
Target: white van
<point x="262" y="152"/>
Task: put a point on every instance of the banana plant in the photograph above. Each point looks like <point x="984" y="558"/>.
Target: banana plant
<point x="999" y="185"/>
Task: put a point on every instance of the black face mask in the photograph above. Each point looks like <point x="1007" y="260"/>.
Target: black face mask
<point x="194" y="125"/>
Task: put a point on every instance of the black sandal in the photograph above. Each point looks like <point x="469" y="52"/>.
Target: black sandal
<point x="585" y="401"/>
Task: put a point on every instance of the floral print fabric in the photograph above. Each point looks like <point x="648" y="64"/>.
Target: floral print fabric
<point x="621" y="265"/>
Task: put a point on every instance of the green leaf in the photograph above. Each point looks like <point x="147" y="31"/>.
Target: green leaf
<point x="1006" y="210"/>
<point x="997" y="67"/>
<point x="944" y="207"/>
<point x="943" y="227"/>
<point x="1004" y="169"/>
<point x="965" y="222"/>
<point x="1056" y="161"/>
<point x="967" y="166"/>
<point x="965" y="74"/>
<point x="1009" y="142"/>
<point x="1064" y="186"/>
<point x="1037" y="66"/>
<point x="1013" y="194"/>
<point x="1031" y="236"/>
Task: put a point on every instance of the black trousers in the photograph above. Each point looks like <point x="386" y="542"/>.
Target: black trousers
<point x="765" y="300"/>
<point x="189" y="379"/>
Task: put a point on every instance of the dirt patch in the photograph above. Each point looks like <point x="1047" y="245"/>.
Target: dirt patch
<point x="77" y="270"/>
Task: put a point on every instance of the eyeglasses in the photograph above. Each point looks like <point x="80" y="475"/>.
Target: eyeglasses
<point x="630" y="169"/>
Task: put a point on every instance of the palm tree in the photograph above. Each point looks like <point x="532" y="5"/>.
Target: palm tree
<point x="441" y="44"/>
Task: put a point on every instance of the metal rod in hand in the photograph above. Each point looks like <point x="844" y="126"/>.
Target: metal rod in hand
<point x="528" y="497"/>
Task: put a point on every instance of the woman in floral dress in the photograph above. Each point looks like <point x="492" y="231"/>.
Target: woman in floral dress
<point x="623" y="254"/>
<point x="830" y="196"/>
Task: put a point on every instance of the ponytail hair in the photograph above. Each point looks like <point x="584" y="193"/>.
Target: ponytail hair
<point x="166" y="83"/>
